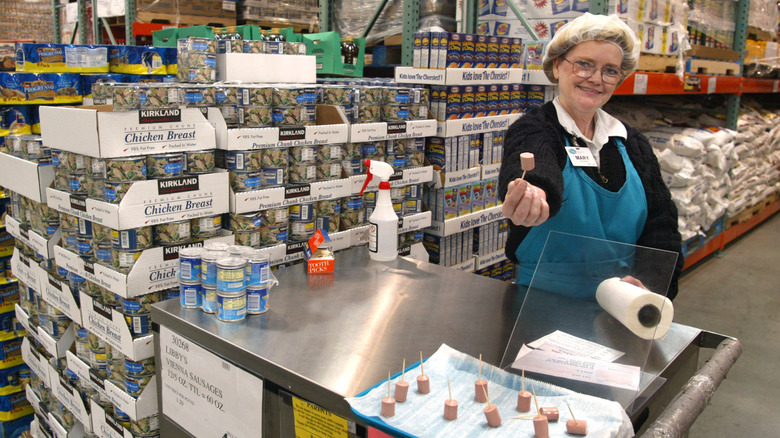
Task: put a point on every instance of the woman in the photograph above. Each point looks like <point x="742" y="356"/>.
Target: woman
<point x="593" y="175"/>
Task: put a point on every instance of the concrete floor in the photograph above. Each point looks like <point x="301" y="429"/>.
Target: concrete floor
<point x="738" y="294"/>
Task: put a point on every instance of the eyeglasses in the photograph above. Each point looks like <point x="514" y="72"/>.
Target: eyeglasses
<point x="585" y="70"/>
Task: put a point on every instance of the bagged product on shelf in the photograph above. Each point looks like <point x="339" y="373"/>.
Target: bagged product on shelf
<point x="61" y="58"/>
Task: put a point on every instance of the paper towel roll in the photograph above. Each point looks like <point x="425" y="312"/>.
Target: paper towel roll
<point x="646" y="314"/>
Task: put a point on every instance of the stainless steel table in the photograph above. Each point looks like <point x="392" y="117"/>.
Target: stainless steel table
<point x="327" y="337"/>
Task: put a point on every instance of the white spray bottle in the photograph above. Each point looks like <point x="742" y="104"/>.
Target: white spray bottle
<point x="383" y="222"/>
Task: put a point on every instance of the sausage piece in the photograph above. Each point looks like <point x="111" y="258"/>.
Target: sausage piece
<point x="579" y="427"/>
<point x="401" y="389"/>
<point x="388" y="407"/>
<point x="552" y="414"/>
<point x="450" y="409"/>
<point x="480" y="391"/>
<point x="492" y="415"/>
<point x="523" y="401"/>
<point x="541" y="427"/>
<point x="527" y="161"/>
<point x="423" y="384"/>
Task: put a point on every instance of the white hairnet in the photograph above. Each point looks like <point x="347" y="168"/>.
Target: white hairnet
<point x="589" y="27"/>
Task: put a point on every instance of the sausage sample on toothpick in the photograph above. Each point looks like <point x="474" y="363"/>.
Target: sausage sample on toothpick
<point x="480" y="386"/>
<point x="388" y="403"/>
<point x="523" y="398"/>
<point x="574" y="426"/>
<point x="402" y="386"/>
<point x="541" y="426"/>
<point x="423" y="382"/>
<point x="450" y="405"/>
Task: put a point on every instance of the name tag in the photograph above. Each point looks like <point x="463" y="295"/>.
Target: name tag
<point x="581" y="157"/>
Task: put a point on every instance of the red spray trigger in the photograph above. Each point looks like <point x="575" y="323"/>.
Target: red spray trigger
<point x="367" y="163"/>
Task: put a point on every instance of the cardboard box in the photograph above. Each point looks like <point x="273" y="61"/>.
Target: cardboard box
<point x="110" y="325"/>
<point x="97" y="131"/>
<point x="262" y="67"/>
<point x="71" y="398"/>
<point x="168" y="37"/>
<point x="331" y="128"/>
<point x="25" y="177"/>
<point x="155" y="269"/>
<point x="326" y="46"/>
<point x="43" y="245"/>
<point x="151" y="202"/>
<point x="378" y="131"/>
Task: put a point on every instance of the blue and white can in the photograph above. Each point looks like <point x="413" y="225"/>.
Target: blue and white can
<point x="231" y="274"/>
<point x="257" y="299"/>
<point x="231" y="307"/>
<point x="208" y="266"/>
<point x="189" y="263"/>
<point x="140" y="324"/>
<point x="84" y="227"/>
<point x="190" y="295"/>
<point x="258" y="269"/>
<point x="209" y="299"/>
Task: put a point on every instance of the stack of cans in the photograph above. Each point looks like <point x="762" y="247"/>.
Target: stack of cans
<point x="230" y="281"/>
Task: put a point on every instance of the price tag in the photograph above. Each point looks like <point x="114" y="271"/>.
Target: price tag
<point x="640" y="83"/>
<point x="581" y="157"/>
<point x="211" y="396"/>
<point x="711" y="84"/>
<point x="775" y="85"/>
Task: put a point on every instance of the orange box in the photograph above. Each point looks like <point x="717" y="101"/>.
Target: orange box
<point x="321" y="262"/>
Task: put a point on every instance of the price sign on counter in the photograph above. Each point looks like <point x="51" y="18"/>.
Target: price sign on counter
<point x="205" y="394"/>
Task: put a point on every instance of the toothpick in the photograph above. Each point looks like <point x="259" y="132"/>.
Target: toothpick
<point x="536" y="402"/>
<point x="523" y="416"/>
<point x="486" y="396"/>
<point x="450" y="389"/>
<point x="403" y="370"/>
<point x="522" y="177"/>
<point x="422" y="370"/>
<point x="388" y="384"/>
<point x="571" y="412"/>
<point x="480" y="367"/>
<point x="523" y="379"/>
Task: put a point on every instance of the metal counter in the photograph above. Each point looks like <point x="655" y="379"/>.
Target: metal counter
<point x="332" y="336"/>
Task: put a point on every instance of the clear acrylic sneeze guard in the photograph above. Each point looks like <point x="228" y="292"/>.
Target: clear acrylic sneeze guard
<point x="568" y="340"/>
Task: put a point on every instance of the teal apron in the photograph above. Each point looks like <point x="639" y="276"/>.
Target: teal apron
<point x="573" y="265"/>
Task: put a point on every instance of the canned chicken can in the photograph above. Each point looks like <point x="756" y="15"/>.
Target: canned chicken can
<point x="299" y="115"/>
<point x="160" y="96"/>
<point x="273" y="235"/>
<point x="115" y="191"/>
<point x="301" y="229"/>
<point x="84" y="245"/>
<point x="293" y="48"/>
<point x="257" y="299"/>
<point x="231" y="273"/>
<point x="165" y="165"/>
<point x="368" y="95"/>
<point x="204" y="227"/>
<point x="70" y="161"/>
<point x="336" y="94"/>
<point x="83" y="227"/>
<point x="140" y="304"/>
<point x="329" y="223"/>
<point x="199" y="162"/>
<point x="123" y="260"/>
<point x="395" y="113"/>
<point x="191" y="295"/>
<point x="145" y="427"/>
<point x="399" y="192"/>
<point x="125" y="97"/>
<point x="189" y="263"/>
<point x="397" y="95"/>
<point x="208" y="302"/>
<point x="94" y="290"/>
<point x="101" y="233"/>
<point x="292" y="95"/>
<point x="416" y="158"/>
<point x="244" y="160"/>
<point x="399" y="207"/>
<point x="102" y="251"/>
<point x="302" y="212"/>
<point x="143" y="367"/>
<point x="135" y="385"/>
<point x="352" y="150"/>
<point x="397" y="146"/>
<point x="61" y="182"/>
<point x="328" y="170"/>
<point x="352" y="167"/>
<point x="172" y="233"/>
<point x="418" y="112"/>
<point x="250" y="238"/>
<point x="275" y="176"/>
<point x="242" y="181"/>
<point x="329" y="152"/>
<point x="231" y="307"/>
<point x="302" y="172"/>
<point x="110" y="299"/>
<point x="77" y="183"/>
<point x="412" y="206"/>
<point x="251" y="95"/>
<point x="274" y="217"/>
<point x="125" y="169"/>
<point x="208" y="266"/>
<point x="328" y="207"/>
<point x="140" y="324"/>
<point x="303" y="154"/>
<point x="138" y="238"/>
<point x="255" y="116"/>
<point x="367" y="113"/>
<point x="245" y="221"/>
<point x="198" y="96"/>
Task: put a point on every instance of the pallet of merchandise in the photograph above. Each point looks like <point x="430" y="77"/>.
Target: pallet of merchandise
<point x="200" y="12"/>
<point x="746" y="214"/>
<point x="190" y="20"/>
<point x="713" y="67"/>
<point x="658" y="63"/>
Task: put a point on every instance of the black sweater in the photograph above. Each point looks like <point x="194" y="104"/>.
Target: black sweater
<point x="540" y="132"/>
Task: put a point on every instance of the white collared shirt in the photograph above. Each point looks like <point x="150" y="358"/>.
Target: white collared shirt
<point x="606" y="127"/>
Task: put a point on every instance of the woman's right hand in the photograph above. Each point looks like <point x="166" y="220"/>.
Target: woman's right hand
<point x="525" y="204"/>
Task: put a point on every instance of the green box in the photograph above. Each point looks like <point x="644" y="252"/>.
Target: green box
<point x="168" y="37"/>
<point x="289" y="35"/>
<point x="326" y="46"/>
<point x="249" y="32"/>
